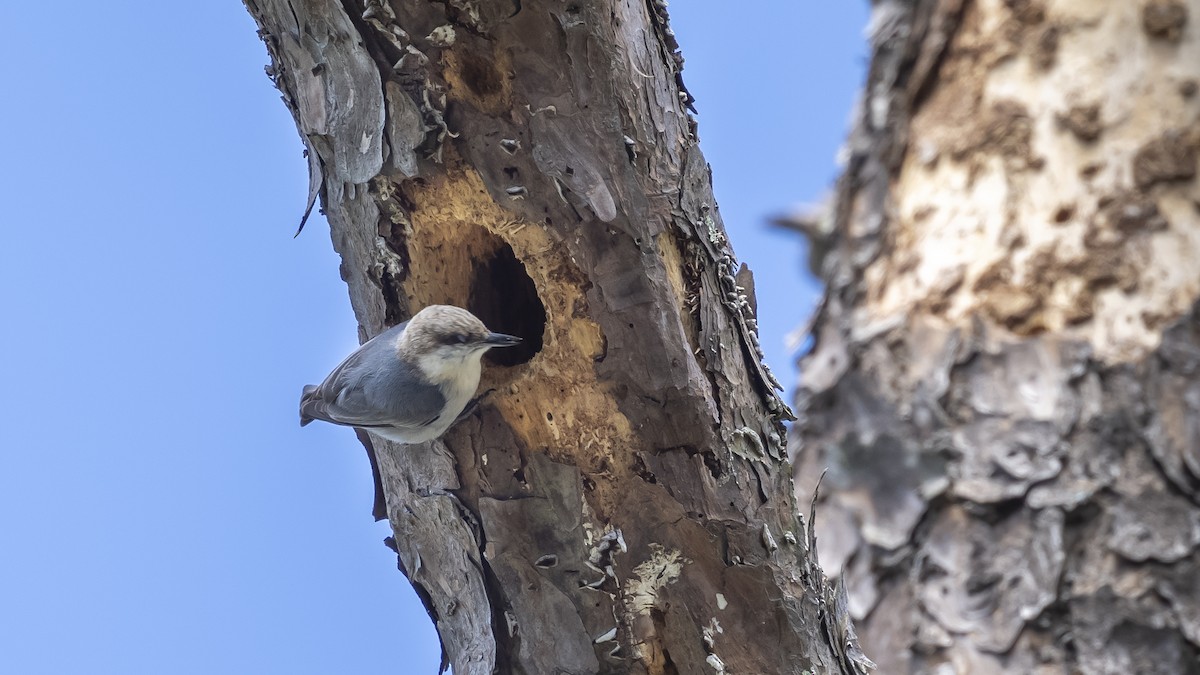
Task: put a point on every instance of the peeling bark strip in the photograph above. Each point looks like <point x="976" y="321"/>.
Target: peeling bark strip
<point x="1005" y="383"/>
<point x="622" y="502"/>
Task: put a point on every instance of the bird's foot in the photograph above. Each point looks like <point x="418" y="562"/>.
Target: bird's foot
<point x="472" y="406"/>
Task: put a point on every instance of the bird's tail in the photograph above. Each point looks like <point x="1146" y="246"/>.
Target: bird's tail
<point x="307" y="397"/>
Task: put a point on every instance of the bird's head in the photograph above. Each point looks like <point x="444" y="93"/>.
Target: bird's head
<point x="442" y="339"/>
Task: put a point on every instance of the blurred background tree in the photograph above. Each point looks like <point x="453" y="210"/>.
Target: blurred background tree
<point x="1004" y="380"/>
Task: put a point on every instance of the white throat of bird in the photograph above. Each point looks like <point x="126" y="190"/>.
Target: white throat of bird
<point x="452" y="367"/>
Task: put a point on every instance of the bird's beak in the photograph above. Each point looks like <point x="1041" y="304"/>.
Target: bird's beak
<point x="501" y="340"/>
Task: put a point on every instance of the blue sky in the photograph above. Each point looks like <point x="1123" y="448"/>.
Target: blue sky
<point x="161" y="509"/>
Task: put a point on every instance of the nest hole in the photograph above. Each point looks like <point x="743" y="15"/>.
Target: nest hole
<point x="506" y="299"/>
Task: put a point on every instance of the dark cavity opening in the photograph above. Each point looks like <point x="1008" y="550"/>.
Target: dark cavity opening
<point x="505" y="298"/>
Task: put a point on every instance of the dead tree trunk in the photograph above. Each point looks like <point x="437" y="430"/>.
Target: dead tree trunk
<point x="622" y="502"/>
<point x="1005" y="382"/>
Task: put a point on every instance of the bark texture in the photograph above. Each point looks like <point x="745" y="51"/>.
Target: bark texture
<point x="1004" y="383"/>
<point x="622" y="502"/>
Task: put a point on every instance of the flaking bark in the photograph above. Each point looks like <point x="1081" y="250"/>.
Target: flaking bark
<point x="622" y="502"/>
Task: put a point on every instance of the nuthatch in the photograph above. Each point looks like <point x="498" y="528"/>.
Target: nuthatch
<point x="409" y="383"/>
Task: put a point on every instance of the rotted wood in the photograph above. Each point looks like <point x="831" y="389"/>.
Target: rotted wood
<point x="622" y="501"/>
<point x="1004" y="384"/>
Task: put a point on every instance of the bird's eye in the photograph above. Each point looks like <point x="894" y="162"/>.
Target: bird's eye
<point x="461" y="338"/>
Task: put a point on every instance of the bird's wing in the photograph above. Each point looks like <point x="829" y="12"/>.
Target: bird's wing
<point x="374" y="388"/>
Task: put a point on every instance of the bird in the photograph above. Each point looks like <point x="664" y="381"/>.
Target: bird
<point x="410" y="383"/>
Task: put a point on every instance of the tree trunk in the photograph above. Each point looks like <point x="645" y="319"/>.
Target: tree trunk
<point x="622" y="501"/>
<point x="1005" y="382"/>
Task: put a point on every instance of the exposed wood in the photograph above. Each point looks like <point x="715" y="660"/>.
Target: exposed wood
<point x="1004" y="384"/>
<point x="622" y="502"/>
